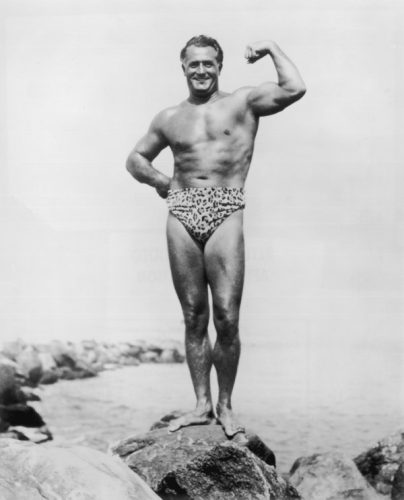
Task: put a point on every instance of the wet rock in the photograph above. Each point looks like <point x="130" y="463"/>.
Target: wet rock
<point x="29" y="364"/>
<point x="28" y="471"/>
<point x="330" y="476"/>
<point x="199" y="462"/>
<point x="397" y="491"/>
<point x="380" y="463"/>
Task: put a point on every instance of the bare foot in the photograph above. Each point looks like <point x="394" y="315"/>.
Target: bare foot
<point x="195" y="417"/>
<point x="228" y="421"/>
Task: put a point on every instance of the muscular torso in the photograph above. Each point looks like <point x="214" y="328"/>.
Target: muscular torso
<point x="212" y="143"/>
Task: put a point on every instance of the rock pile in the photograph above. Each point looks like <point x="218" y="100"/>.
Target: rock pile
<point x="24" y="366"/>
<point x="200" y="463"/>
<point x="47" y="363"/>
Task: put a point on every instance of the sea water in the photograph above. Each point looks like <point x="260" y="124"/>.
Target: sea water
<point x="300" y="399"/>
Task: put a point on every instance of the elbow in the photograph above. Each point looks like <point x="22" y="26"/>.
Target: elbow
<point x="299" y="92"/>
<point x="131" y="164"/>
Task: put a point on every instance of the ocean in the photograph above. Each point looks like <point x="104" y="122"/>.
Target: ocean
<point x="299" y="398"/>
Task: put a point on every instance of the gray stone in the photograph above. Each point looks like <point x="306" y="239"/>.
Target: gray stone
<point x="330" y="476"/>
<point x="12" y="349"/>
<point x="63" y="354"/>
<point x="380" y="463"/>
<point x="397" y="491"/>
<point x="47" y="360"/>
<point x="49" y="377"/>
<point x="9" y="387"/>
<point x="200" y="463"/>
<point x="170" y="356"/>
<point x="33" y="472"/>
<point x="29" y="364"/>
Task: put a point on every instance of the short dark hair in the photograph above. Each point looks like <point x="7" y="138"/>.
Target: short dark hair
<point x="203" y="41"/>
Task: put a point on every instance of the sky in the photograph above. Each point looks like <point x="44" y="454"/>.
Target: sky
<point x="83" y="253"/>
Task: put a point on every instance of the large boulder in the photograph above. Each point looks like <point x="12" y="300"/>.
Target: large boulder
<point x="33" y="472"/>
<point x="200" y="463"/>
<point x="330" y="476"/>
<point x="380" y="463"/>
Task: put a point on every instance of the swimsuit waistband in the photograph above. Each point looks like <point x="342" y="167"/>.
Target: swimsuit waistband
<point x="208" y="188"/>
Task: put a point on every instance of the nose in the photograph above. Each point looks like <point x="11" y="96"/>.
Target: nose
<point x="200" y="69"/>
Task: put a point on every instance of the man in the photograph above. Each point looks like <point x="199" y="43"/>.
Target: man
<point x="211" y="135"/>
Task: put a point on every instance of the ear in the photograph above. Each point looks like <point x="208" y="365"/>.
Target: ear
<point x="183" y="68"/>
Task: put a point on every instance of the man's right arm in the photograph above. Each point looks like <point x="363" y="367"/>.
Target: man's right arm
<point x="139" y="162"/>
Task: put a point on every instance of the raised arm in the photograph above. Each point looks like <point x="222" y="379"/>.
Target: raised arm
<point x="139" y="162"/>
<point x="270" y="97"/>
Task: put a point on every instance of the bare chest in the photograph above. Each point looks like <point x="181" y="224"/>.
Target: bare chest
<point x="201" y="124"/>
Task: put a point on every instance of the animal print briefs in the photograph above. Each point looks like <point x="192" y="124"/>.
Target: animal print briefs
<point x="202" y="210"/>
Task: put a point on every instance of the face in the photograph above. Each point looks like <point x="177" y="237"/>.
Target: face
<point x="201" y="70"/>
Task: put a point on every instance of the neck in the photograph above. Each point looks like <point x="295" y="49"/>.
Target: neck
<point x="196" y="99"/>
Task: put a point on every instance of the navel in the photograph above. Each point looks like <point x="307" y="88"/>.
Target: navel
<point x="227" y="131"/>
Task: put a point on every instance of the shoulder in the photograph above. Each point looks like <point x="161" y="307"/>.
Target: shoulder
<point x="163" y="116"/>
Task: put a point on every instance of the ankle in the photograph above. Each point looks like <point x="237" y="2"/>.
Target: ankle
<point x="223" y="406"/>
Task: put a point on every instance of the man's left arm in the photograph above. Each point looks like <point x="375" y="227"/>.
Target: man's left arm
<point x="270" y="97"/>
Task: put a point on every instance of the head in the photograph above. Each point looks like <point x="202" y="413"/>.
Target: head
<point x="202" y="60"/>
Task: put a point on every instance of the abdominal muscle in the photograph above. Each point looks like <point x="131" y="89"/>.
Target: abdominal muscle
<point x="206" y="169"/>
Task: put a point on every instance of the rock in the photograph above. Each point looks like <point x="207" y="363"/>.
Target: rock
<point x="397" y="491"/>
<point x="28" y="471"/>
<point x="149" y="357"/>
<point x="21" y="414"/>
<point x="63" y="354"/>
<point x="30" y="394"/>
<point x="200" y="463"/>
<point x="49" y="377"/>
<point x="79" y="372"/>
<point x="13" y="434"/>
<point x="12" y="349"/>
<point x="35" y="435"/>
<point x="47" y="360"/>
<point x="10" y="391"/>
<point x="29" y="364"/>
<point x="380" y="463"/>
<point x="330" y="476"/>
<point x="170" y="356"/>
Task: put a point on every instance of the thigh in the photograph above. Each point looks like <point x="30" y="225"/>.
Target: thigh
<point x="224" y="262"/>
<point x="187" y="265"/>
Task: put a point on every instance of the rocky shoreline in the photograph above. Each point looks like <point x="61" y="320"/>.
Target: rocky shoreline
<point x="195" y="463"/>
<point x="25" y="367"/>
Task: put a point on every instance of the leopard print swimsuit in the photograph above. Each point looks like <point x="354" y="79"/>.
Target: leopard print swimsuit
<point x="202" y="210"/>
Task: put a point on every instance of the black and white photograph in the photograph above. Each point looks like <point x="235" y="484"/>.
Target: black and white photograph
<point x="202" y="250"/>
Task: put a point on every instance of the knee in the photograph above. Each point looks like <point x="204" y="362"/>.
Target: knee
<point x="226" y="316"/>
<point x="196" y="316"/>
